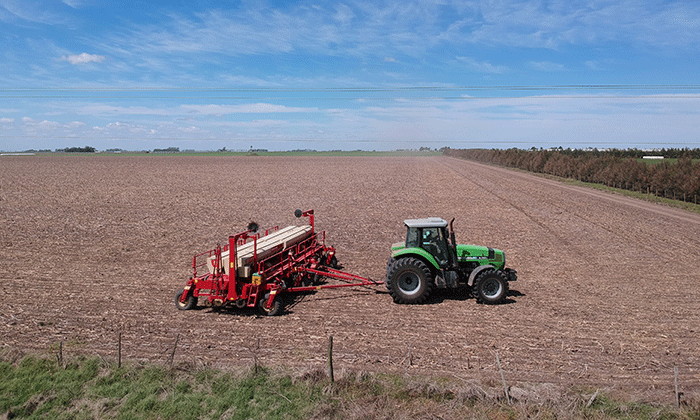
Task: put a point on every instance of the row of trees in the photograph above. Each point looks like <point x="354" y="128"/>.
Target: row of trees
<point x="86" y="149"/>
<point x="679" y="179"/>
<point x="671" y="153"/>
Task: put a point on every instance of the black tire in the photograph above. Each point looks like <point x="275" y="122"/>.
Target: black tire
<point x="276" y="308"/>
<point x="490" y="287"/>
<point x="388" y="264"/>
<point x="409" y="280"/>
<point x="190" y="302"/>
<point x="334" y="263"/>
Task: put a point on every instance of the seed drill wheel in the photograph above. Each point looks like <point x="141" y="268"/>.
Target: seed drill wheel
<point x="190" y="302"/>
<point x="275" y="309"/>
<point x="409" y="280"/>
<point x="490" y="287"/>
<point x="334" y="263"/>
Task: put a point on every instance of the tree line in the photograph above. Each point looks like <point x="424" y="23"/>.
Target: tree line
<point x="678" y="179"/>
<point x="86" y="149"/>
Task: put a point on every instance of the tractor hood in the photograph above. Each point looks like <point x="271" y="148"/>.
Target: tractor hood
<point x="481" y="254"/>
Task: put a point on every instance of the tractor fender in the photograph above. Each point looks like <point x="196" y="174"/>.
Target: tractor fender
<point x="476" y="272"/>
<point x="419" y="253"/>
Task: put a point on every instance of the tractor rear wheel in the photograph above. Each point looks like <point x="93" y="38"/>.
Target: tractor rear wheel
<point x="409" y="280"/>
<point x="190" y="302"/>
<point x="275" y="309"/>
<point x="490" y="287"/>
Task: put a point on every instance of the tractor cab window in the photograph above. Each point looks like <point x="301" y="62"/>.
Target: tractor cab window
<point x="413" y="238"/>
<point x="433" y="241"/>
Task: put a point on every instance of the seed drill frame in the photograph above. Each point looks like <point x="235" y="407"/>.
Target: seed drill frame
<point x="256" y="267"/>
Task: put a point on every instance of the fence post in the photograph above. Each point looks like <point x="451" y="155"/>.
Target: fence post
<point x="330" y="358"/>
<point x="408" y="361"/>
<point x="505" y="387"/>
<point x="593" y="398"/>
<point x="675" y="385"/>
<point x="254" y="352"/>
<point x="255" y="356"/>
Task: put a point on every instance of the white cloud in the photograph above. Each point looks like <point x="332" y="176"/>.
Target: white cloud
<point x="343" y="14"/>
<point x="593" y="65"/>
<point x="75" y="4"/>
<point x="7" y="120"/>
<point x="47" y="125"/>
<point x="82" y="58"/>
<point x="32" y="125"/>
<point x="175" y="42"/>
<point x="522" y="120"/>
<point x="482" y="66"/>
<point x="119" y="126"/>
<point x="238" y="80"/>
<point x="354" y="29"/>
<point x="242" y="109"/>
<point x="29" y="11"/>
<point x="103" y="109"/>
<point x="560" y="23"/>
<point x="254" y="124"/>
<point x="546" y="66"/>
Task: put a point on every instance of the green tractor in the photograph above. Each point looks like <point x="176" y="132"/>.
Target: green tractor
<point x="430" y="258"/>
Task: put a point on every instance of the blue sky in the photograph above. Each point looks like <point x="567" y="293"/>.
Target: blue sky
<point x="349" y="75"/>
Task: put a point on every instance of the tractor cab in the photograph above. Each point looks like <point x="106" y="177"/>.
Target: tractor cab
<point x="432" y="236"/>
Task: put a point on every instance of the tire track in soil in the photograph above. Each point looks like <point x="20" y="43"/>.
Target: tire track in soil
<point x="639" y="250"/>
<point x="562" y="240"/>
<point x="619" y="231"/>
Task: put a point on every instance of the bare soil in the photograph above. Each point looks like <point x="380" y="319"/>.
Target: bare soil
<point x="608" y="291"/>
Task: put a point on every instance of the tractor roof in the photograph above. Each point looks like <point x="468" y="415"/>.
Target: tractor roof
<point x="429" y="222"/>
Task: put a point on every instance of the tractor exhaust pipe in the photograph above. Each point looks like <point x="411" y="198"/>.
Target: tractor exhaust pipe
<point x="454" y="244"/>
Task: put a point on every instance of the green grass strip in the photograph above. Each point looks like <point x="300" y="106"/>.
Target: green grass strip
<point x="92" y="388"/>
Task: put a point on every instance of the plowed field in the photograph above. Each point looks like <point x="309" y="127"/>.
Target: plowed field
<point x="608" y="292"/>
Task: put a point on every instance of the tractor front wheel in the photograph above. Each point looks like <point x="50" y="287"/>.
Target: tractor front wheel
<point x="275" y="309"/>
<point x="409" y="280"/>
<point x="490" y="287"/>
<point x="190" y="301"/>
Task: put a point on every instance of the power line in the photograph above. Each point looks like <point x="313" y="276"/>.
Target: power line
<point x="360" y="89"/>
<point x="360" y="98"/>
<point x="259" y="140"/>
<point x="72" y="92"/>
